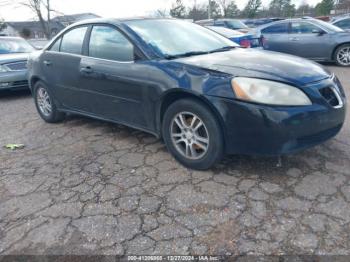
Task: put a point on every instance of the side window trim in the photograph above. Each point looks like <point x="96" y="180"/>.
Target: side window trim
<point x="60" y="43"/>
<point x="59" y="38"/>
<point x="289" y="28"/>
<point x="86" y="42"/>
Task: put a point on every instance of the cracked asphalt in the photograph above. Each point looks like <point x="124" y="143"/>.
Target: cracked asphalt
<point x="89" y="187"/>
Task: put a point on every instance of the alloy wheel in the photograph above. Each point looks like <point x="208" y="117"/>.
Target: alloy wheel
<point x="189" y="135"/>
<point x="343" y="56"/>
<point x="44" y="101"/>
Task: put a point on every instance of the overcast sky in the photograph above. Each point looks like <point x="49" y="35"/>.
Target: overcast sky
<point x="106" y="8"/>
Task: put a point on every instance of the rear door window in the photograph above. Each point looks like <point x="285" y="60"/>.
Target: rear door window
<point x="108" y="43"/>
<point x="281" y="28"/>
<point x="72" y="41"/>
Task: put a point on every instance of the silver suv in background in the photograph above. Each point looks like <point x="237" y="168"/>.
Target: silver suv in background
<point x="14" y="53"/>
<point x="309" y="38"/>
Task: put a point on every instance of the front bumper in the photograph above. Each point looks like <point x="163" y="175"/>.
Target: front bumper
<point x="14" y="80"/>
<point x="255" y="129"/>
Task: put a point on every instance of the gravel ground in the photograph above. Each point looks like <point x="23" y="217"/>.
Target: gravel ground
<point x="88" y="187"/>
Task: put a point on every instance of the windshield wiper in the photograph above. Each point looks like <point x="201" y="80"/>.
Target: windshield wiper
<point x="192" y="53"/>
<point x="222" y="49"/>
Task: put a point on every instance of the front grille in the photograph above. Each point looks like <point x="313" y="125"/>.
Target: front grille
<point x="329" y="94"/>
<point x="18" y="66"/>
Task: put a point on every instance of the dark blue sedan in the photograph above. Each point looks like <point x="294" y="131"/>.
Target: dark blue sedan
<point x="244" y="40"/>
<point x="190" y="86"/>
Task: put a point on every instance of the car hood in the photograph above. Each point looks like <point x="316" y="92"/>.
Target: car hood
<point x="261" y="64"/>
<point x="10" y="58"/>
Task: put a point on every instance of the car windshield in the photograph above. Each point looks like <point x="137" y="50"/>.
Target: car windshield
<point x="12" y="45"/>
<point x="170" y="38"/>
<point x="225" y="31"/>
<point x="328" y="26"/>
<point x="236" y="24"/>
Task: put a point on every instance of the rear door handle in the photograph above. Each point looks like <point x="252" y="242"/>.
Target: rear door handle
<point x="47" y="63"/>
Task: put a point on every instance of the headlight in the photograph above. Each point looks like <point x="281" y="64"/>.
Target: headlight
<point x="3" y="69"/>
<point x="268" y="92"/>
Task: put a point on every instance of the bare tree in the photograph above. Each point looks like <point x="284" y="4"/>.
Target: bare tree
<point x="42" y="10"/>
<point x="161" y="13"/>
<point x="224" y="4"/>
<point x="2" y="24"/>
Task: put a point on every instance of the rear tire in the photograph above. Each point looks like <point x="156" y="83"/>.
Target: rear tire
<point x="192" y="134"/>
<point x="342" y="55"/>
<point x="45" y="105"/>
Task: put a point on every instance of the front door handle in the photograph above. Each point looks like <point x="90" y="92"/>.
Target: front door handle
<point x="294" y="39"/>
<point x="47" y="63"/>
<point x="86" y="70"/>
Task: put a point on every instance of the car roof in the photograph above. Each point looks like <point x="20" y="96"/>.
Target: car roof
<point x="118" y="20"/>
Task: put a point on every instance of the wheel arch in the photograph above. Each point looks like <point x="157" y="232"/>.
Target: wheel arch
<point x="174" y="95"/>
<point x="335" y="49"/>
<point x="33" y="80"/>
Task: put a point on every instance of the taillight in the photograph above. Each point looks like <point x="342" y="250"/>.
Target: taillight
<point x="245" y="43"/>
<point x="263" y="41"/>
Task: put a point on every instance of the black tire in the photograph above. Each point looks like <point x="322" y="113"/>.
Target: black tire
<point x="54" y="116"/>
<point x="336" y="55"/>
<point x="215" y="148"/>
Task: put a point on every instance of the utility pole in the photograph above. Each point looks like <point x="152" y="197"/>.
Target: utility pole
<point x="209" y="10"/>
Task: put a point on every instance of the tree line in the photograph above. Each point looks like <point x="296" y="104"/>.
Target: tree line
<point x="255" y="9"/>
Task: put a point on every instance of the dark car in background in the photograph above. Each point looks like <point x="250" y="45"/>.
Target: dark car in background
<point x="187" y="84"/>
<point x="13" y="63"/>
<point x="310" y="38"/>
<point x="233" y="24"/>
<point x="343" y="23"/>
<point x="252" y="23"/>
<point x="244" y="40"/>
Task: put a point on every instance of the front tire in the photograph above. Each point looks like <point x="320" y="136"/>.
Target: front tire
<point x="342" y="55"/>
<point x="45" y="105"/>
<point x="192" y="134"/>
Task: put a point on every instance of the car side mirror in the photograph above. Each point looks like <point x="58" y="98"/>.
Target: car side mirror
<point x="318" y="32"/>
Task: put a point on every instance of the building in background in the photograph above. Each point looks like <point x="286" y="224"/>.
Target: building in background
<point x="34" y="30"/>
<point x="30" y="29"/>
<point x="67" y="20"/>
